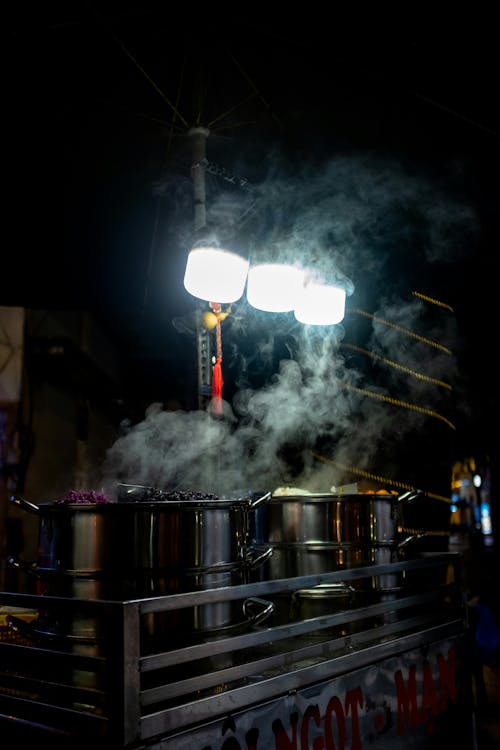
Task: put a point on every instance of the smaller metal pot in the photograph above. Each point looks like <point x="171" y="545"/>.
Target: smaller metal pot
<point x="317" y="601"/>
<point x="324" y="599"/>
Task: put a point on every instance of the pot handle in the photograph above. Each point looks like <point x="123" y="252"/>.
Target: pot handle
<point x="255" y="611"/>
<point x="256" y="502"/>
<point x="262" y="609"/>
<point x="255" y="556"/>
<point x="401" y="546"/>
<point x="349" y="590"/>
<point x="25" y="504"/>
<point x="410" y="496"/>
<point x="31" y="630"/>
<point x="30" y="568"/>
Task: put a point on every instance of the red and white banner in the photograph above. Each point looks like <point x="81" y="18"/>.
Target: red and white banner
<point x="415" y="700"/>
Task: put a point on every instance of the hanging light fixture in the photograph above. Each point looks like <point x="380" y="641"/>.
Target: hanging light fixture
<point x="215" y="274"/>
<point x="274" y="287"/>
<point x="320" y="304"/>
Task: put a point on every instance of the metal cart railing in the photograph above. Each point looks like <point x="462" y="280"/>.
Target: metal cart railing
<point x="136" y="680"/>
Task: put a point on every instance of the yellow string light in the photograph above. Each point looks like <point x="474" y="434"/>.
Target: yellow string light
<point x="406" y="331"/>
<point x="433" y="301"/>
<point x="374" y="477"/>
<point x="397" y="366"/>
<point x="417" y="532"/>
<point x="396" y="402"/>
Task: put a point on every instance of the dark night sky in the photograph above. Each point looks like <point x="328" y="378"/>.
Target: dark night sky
<point x="98" y="161"/>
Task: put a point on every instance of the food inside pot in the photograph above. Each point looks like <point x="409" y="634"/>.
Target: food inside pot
<point x="83" y="497"/>
<point x="133" y="493"/>
<point x="178" y="495"/>
<point x="346" y="489"/>
<point x="289" y="491"/>
<point x="140" y="493"/>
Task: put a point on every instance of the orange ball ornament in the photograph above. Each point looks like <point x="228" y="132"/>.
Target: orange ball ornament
<point x="209" y="320"/>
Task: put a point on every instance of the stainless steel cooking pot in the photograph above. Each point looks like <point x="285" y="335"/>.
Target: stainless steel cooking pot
<point x="354" y="519"/>
<point x="120" y="538"/>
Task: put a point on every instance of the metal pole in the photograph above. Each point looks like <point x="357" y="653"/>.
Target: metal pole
<point x="199" y="137"/>
<point x="204" y="341"/>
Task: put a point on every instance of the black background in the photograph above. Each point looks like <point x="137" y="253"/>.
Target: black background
<point x="100" y="98"/>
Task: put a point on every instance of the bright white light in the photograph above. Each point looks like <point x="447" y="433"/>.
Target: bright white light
<point x="274" y="287"/>
<point x="321" y="305"/>
<point x="476" y="480"/>
<point x="215" y="275"/>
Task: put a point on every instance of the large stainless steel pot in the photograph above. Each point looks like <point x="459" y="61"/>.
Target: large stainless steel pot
<point x="353" y="519"/>
<point x="129" y="537"/>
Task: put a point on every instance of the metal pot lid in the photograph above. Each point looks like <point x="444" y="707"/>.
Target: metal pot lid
<point x="292" y="493"/>
<point x="133" y="493"/>
<point x="324" y="590"/>
<point x="136" y="497"/>
<point x="322" y="496"/>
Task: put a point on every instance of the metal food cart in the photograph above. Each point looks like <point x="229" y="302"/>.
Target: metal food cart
<point x="389" y="668"/>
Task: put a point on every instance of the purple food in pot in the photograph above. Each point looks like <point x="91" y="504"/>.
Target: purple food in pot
<point x="83" y="497"/>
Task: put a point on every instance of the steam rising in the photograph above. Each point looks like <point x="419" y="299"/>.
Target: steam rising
<point x="379" y="232"/>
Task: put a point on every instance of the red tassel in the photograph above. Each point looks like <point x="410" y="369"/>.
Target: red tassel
<point x="217" y="383"/>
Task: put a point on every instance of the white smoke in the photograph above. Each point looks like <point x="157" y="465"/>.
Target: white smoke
<point x="374" y="228"/>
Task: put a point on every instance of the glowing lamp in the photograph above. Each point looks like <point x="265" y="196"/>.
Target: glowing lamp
<point x="215" y="275"/>
<point x="274" y="287"/>
<point x="320" y="305"/>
